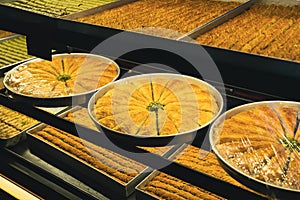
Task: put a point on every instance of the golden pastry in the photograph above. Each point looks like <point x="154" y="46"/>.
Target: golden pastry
<point x="155" y="105"/>
<point x="261" y="142"/>
<point x="66" y="74"/>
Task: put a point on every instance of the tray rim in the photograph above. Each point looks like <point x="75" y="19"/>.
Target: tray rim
<point x="232" y="170"/>
<point x="146" y="180"/>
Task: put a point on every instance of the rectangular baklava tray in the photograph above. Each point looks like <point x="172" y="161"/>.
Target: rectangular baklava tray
<point x="103" y="170"/>
<point x="159" y="185"/>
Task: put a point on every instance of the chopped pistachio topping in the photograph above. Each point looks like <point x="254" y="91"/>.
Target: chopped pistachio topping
<point x="291" y="144"/>
<point x="155" y="106"/>
<point x="24" y="123"/>
<point x="64" y="77"/>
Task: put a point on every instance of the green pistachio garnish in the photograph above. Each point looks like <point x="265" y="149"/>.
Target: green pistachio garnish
<point x="155" y="106"/>
<point x="64" y="77"/>
<point x="291" y="144"/>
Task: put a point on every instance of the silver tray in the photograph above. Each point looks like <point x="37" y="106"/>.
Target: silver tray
<point x="82" y="171"/>
<point x="74" y="99"/>
<point x="271" y="190"/>
<point x="140" y="193"/>
<point x="164" y="140"/>
<point x="11" y="141"/>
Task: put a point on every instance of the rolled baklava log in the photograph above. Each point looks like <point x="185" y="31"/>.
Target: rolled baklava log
<point x="114" y="165"/>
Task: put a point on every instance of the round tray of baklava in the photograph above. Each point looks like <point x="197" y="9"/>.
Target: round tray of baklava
<point x="68" y="79"/>
<point x="155" y="109"/>
<point x="259" y="145"/>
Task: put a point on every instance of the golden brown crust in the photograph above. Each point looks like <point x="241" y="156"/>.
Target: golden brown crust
<point x="12" y="122"/>
<point x="167" y="187"/>
<point x="292" y="177"/>
<point x="147" y="15"/>
<point x="288" y="118"/>
<point x="155" y="106"/>
<point x="274" y="34"/>
<point x="259" y="142"/>
<point x="64" y="75"/>
<point x="205" y="162"/>
<point x="116" y="166"/>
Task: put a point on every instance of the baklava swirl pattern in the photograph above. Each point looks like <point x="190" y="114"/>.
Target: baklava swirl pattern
<point x="264" y="143"/>
<point x="155" y="106"/>
<point x="65" y="75"/>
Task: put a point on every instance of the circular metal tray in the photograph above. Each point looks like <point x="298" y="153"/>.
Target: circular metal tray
<point x="72" y="99"/>
<point x="271" y="190"/>
<point x="162" y="140"/>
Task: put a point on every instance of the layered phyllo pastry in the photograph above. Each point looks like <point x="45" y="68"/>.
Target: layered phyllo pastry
<point x="269" y="30"/>
<point x="263" y="143"/>
<point x="168" y="18"/>
<point x="12" y="123"/>
<point x="111" y="164"/>
<point x="156" y="106"/>
<point x="65" y="75"/>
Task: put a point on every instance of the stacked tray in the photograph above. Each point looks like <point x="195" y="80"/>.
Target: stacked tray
<point x="162" y="186"/>
<point x="103" y="170"/>
<point x="118" y="14"/>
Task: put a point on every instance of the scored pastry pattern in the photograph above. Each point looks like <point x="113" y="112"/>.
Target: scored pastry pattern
<point x="263" y="142"/>
<point x="64" y="75"/>
<point x="180" y="16"/>
<point x="156" y="106"/>
<point x="270" y="30"/>
<point x="12" y="122"/>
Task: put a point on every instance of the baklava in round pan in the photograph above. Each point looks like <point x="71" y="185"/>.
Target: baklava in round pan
<point x="68" y="79"/>
<point x="155" y="109"/>
<point x="259" y="144"/>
